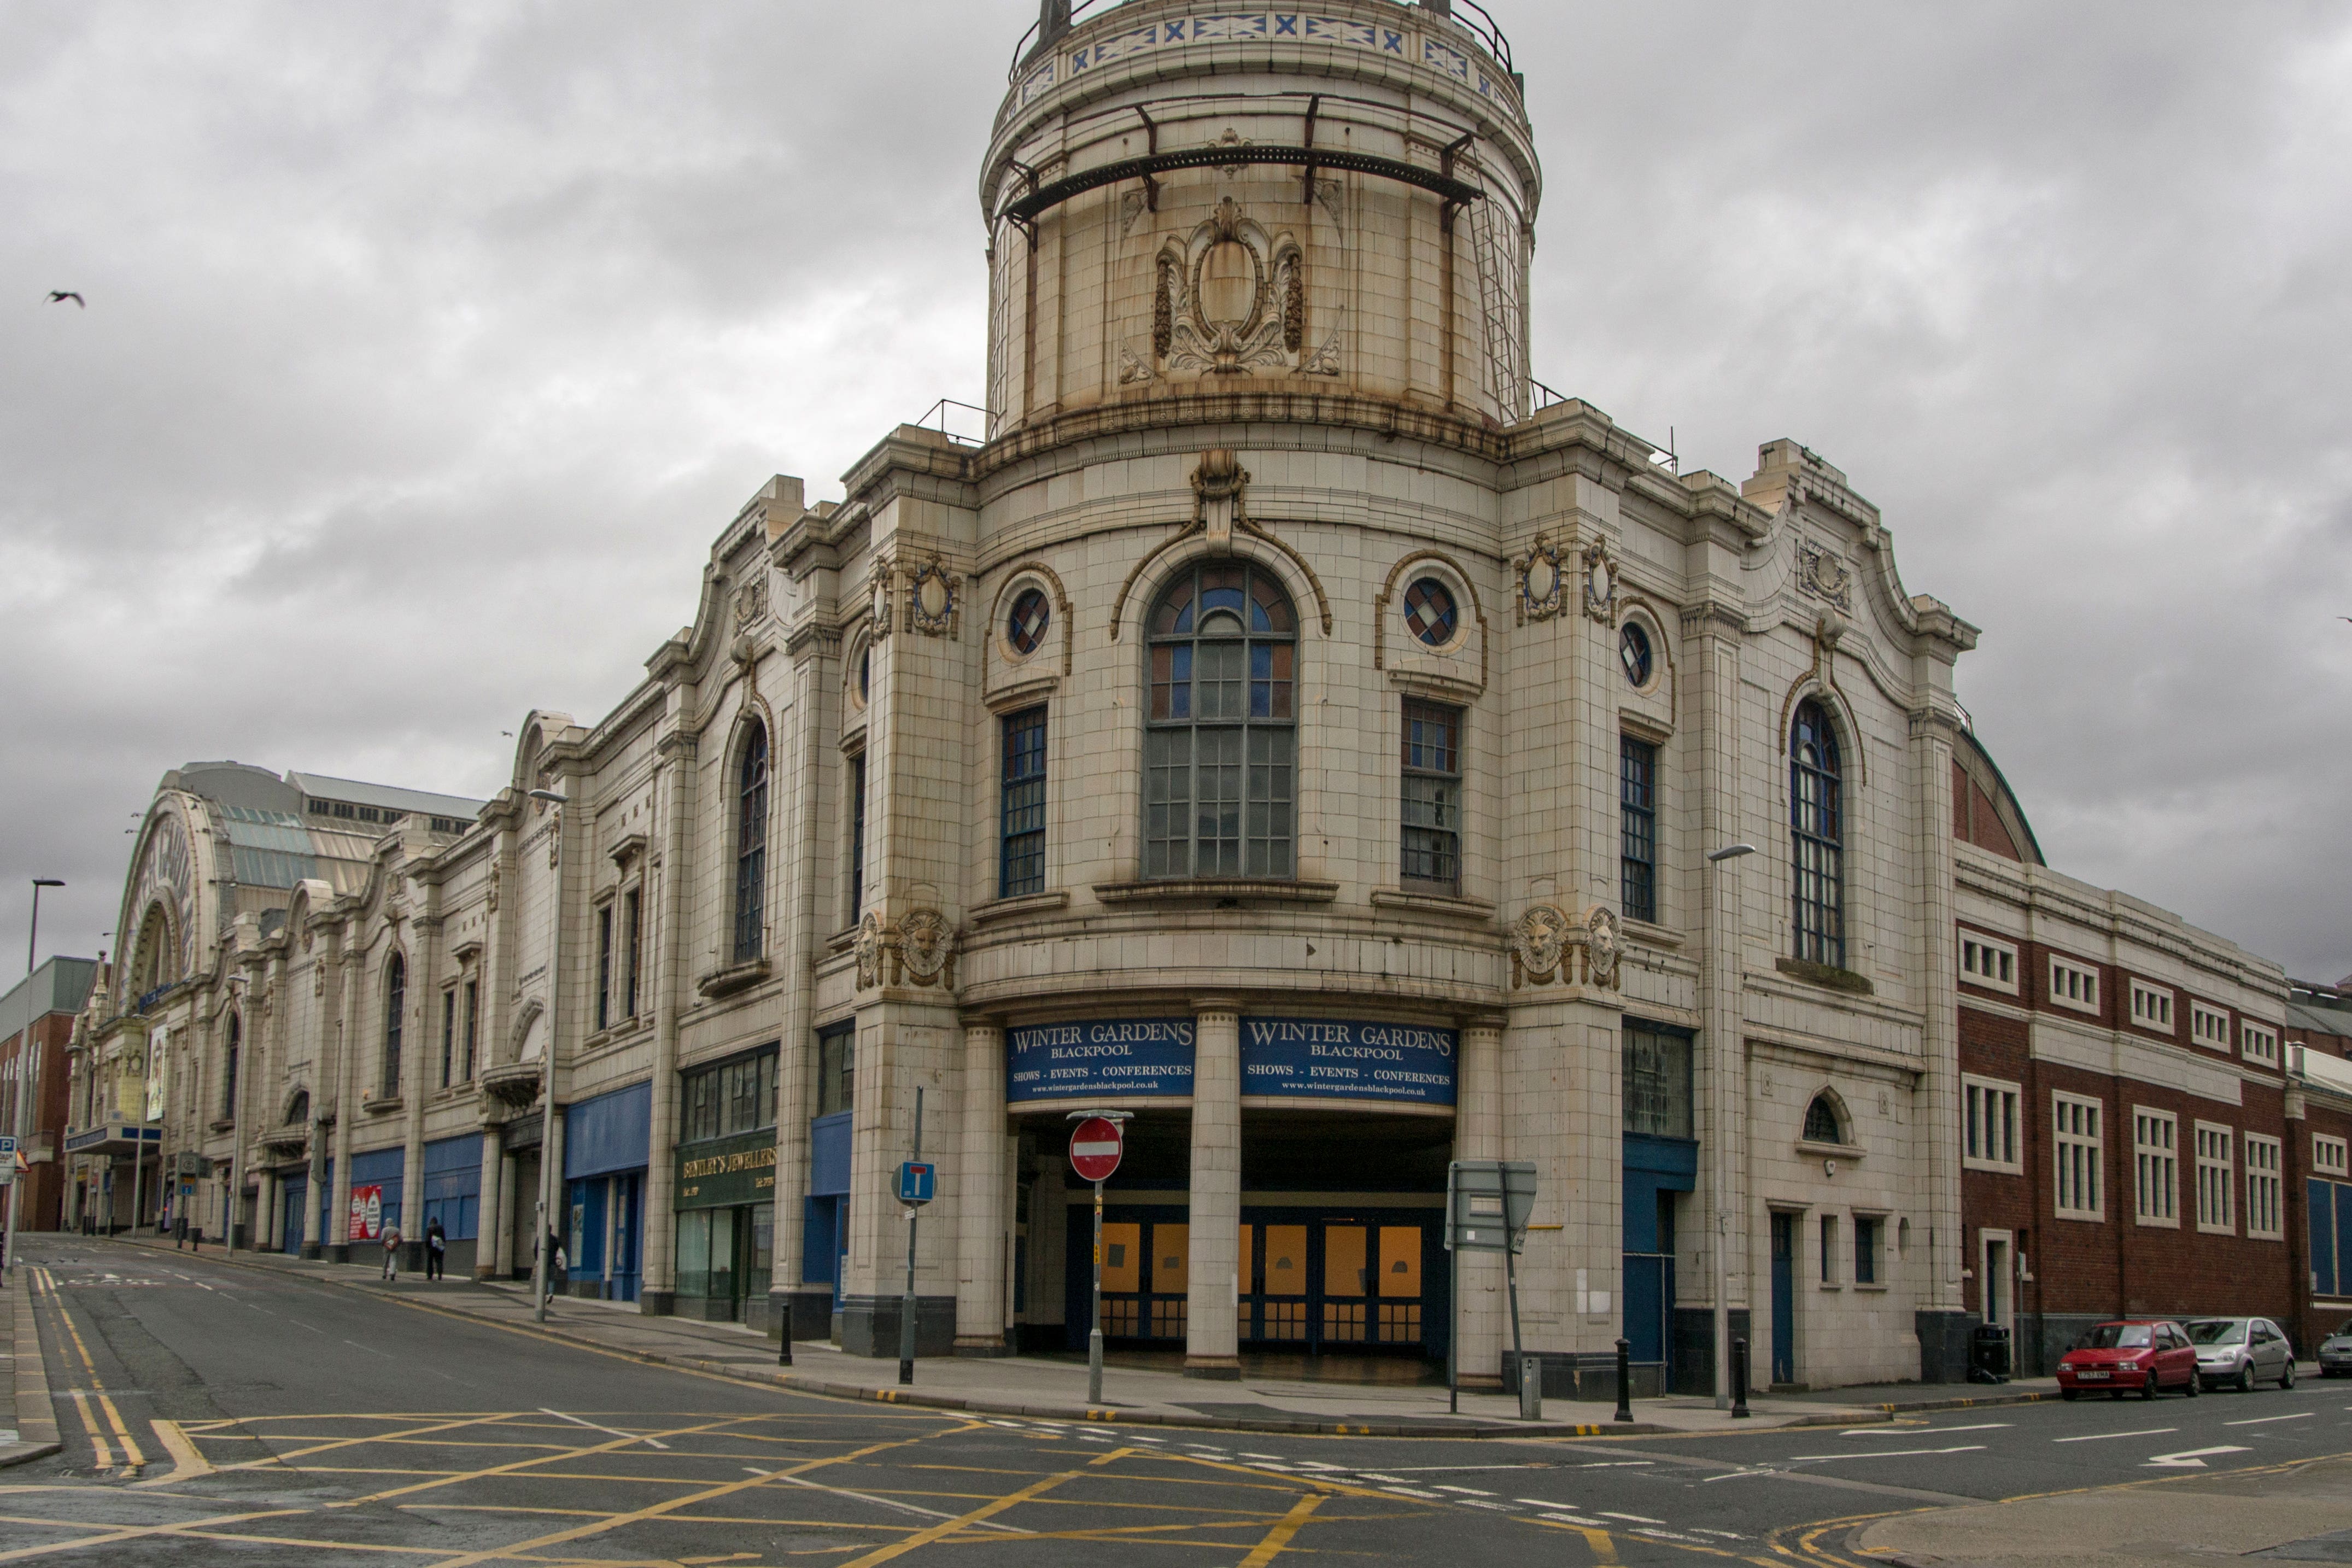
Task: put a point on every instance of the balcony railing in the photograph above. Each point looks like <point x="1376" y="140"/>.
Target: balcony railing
<point x="1467" y="15"/>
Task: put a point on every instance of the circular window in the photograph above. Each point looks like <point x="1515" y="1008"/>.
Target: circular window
<point x="1429" y="612"/>
<point x="1031" y="615"/>
<point x="1633" y="651"/>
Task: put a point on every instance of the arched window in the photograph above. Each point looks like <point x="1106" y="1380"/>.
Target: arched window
<point x="1821" y="1121"/>
<point x="297" y="1109"/>
<point x="1817" y="837"/>
<point x="395" y="1001"/>
<point x="1221" y="738"/>
<point x="752" y="845"/>
<point x="229" y="1068"/>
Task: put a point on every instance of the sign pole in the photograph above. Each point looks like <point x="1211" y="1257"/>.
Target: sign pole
<point x="907" y="1305"/>
<point x="1452" y="1323"/>
<point x="1093" y="1334"/>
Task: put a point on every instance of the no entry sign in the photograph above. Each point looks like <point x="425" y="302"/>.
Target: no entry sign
<point x="1095" y="1149"/>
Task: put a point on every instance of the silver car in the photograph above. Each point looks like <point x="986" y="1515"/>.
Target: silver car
<point x="2241" y="1353"/>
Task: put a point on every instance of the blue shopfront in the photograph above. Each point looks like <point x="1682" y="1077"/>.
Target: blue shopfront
<point x="453" y="1195"/>
<point x="605" y="1141"/>
<point x="1658" y="1165"/>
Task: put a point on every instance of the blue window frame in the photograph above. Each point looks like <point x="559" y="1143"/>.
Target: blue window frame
<point x="1816" y="839"/>
<point x="1021" y="861"/>
<point x="1637" y="828"/>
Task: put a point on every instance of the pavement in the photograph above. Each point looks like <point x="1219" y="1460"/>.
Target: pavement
<point x="1056" y="1388"/>
<point x="248" y="1412"/>
<point x="31" y="1431"/>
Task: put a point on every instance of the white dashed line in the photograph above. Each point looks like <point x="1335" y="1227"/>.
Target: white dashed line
<point x="2103" y="1436"/>
<point x="2259" y="1420"/>
<point x="1471" y="1491"/>
<point x="1632" y="1518"/>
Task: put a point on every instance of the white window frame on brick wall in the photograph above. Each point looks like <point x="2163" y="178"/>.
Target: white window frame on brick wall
<point x="2079" y="1156"/>
<point x="2217" y="1208"/>
<point x="2151" y="1006"/>
<point x="2330" y="1156"/>
<point x="1986" y="962"/>
<point x="2209" y="1026"/>
<point x="2265" y="1190"/>
<point x="2072" y="985"/>
<point x="2257" y="1042"/>
<point x="1989" y="1133"/>
<point x="2156" y="1167"/>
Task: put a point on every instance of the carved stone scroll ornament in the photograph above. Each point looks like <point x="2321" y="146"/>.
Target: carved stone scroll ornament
<point x="752" y="603"/>
<point x="1601" y="583"/>
<point x="1230" y="300"/>
<point x="869" y="948"/>
<point x="1602" y="947"/>
<point x="1538" y="942"/>
<point x="1540" y="583"/>
<point x="1824" y="575"/>
<point x="923" y="951"/>
<point x="1132" y="372"/>
<point x="881" y="584"/>
<point x="934" y="598"/>
<point x="1218" y="487"/>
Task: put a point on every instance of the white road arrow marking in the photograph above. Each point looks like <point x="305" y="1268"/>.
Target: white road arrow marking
<point x="2191" y="1458"/>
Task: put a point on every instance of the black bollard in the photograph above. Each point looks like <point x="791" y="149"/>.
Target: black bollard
<point x="784" y="1339"/>
<point x="1624" y="1380"/>
<point x="1739" y="1380"/>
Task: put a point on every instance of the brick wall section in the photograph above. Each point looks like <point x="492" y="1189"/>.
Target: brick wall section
<point x="45" y="1183"/>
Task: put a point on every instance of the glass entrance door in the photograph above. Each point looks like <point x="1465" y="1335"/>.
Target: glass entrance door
<point x="1338" y="1285"/>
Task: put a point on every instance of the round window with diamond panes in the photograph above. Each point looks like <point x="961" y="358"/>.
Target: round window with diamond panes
<point x="1430" y="613"/>
<point x="1025" y="629"/>
<point x="1633" y="652"/>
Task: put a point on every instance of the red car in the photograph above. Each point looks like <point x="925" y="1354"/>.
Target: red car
<point x="2142" y="1355"/>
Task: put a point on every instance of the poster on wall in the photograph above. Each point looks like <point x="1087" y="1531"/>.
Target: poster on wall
<point x="1334" y="1059"/>
<point x="1099" y="1058"/>
<point x="157" y="1044"/>
<point x="367" y="1213"/>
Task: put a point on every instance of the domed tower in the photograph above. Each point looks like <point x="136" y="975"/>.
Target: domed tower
<point x="1188" y="205"/>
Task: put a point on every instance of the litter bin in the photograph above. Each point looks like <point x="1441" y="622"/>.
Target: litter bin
<point x="1530" y="1388"/>
<point x="1989" y="1353"/>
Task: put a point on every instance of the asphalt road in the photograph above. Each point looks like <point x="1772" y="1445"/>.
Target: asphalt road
<point x="213" y="1412"/>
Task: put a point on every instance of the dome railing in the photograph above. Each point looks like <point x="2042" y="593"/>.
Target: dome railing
<point x="1059" y="17"/>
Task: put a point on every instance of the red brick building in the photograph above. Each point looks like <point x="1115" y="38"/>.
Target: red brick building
<point x="41" y="1010"/>
<point x="2319" y="1168"/>
<point x="2125" y="1142"/>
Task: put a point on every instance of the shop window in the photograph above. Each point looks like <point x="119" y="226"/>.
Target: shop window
<point x="1657" y="1065"/>
<point x="2155" y="1166"/>
<point x="1637" y="827"/>
<point x="1220" y="727"/>
<point x="2077" y="1145"/>
<point x="1817" y="837"/>
<point x="733" y="1096"/>
<point x="836" y="1066"/>
<point x="1020" y="858"/>
<point x="1433" y="796"/>
<point x="752" y="845"/>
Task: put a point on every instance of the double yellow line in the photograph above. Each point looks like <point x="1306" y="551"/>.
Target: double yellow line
<point x="133" y="1457"/>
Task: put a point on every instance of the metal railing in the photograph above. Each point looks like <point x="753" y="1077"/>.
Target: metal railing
<point x="1467" y="15"/>
<point x="940" y="410"/>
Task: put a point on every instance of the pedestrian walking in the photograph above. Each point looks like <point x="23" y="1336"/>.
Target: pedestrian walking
<point x="437" y="1243"/>
<point x="392" y="1253"/>
<point x="555" y="1265"/>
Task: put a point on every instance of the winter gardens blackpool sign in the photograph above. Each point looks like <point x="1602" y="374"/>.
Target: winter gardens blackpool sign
<point x="1288" y="1059"/>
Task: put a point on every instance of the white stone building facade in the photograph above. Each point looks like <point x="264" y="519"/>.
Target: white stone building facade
<point x="1277" y="729"/>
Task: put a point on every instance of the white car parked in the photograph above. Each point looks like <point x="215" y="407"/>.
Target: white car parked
<point x="2241" y="1353"/>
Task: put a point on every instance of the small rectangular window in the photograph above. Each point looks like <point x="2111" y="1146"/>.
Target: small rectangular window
<point x="1657" y="1087"/>
<point x="1637" y="828"/>
<point x="2151" y="1007"/>
<point x="1432" y="795"/>
<point x="1866" y="1231"/>
<point x="1987" y="962"/>
<point x="604" y="966"/>
<point x="836" y="1054"/>
<point x="2257" y="1042"/>
<point x="1829" y="1249"/>
<point x="2155" y="1166"/>
<point x="449" y="1035"/>
<point x="2074" y="985"/>
<point x="473" y="1023"/>
<point x="1988" y="1124"/>
<point x="2216" y="1182"/>
<point x="2077" y="1149"/>
<point x="632" y="931"/>
<point x="1021" y="864"/>
<point x="2209" y="1026"/>
<point x="2329" y="1154"/>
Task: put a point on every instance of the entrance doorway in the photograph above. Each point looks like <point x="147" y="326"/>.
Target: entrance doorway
<point x="293" y="1205"/>
<point x="1348" y="1284"/>
<point x="1994" y="1271"/>
<point x="724" y="1257"/>
<point x="1784" y="1297"/>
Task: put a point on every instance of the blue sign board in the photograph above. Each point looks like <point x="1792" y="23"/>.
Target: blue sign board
<point x="1099" y="1059"/>
<point x="1326" y="1059"/>
<point x="916" y="1180"/>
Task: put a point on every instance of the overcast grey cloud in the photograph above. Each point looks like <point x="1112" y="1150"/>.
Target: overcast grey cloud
<point x="427" y="347"/>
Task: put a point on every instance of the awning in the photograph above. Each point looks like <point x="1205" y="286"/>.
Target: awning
<point x="120" y="1140"/>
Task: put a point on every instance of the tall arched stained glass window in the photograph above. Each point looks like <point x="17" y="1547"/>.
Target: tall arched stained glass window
<point x="1220" y="733"/>
<point x="228" y="1068"/>
<point x="395" y="1001"/>
<point x="752" y="845"/>
<point x="1817" y="837"/>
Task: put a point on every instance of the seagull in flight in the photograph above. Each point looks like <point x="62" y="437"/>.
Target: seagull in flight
<point x="60" y="296"/>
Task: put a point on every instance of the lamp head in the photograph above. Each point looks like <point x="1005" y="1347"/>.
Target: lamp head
<point x="550" y="797"/>
<point x="1731" y="852"/>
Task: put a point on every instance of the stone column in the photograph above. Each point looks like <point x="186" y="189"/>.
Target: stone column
<point x="1712" y="635"/>
<point x="980" y="1250"/>
<point x="657" y="1250"/>
<point x="336" y="1233"/>
<point x="1210" y="1343"/>
<point x="488" y="1206"/>
<point x="505" y="1252"/>
<point x="1480" y="1315"/>
<point x="419" y="1074"/>
<point x="1940" y="1315"/>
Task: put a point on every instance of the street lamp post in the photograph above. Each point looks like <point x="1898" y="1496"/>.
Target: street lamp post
<point x="1723" y="932"/>
<point x="28" y="1082"/>
<point x="543" y="1244"/>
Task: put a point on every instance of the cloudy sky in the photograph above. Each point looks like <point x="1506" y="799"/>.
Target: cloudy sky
<point x="427" y="347"/>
